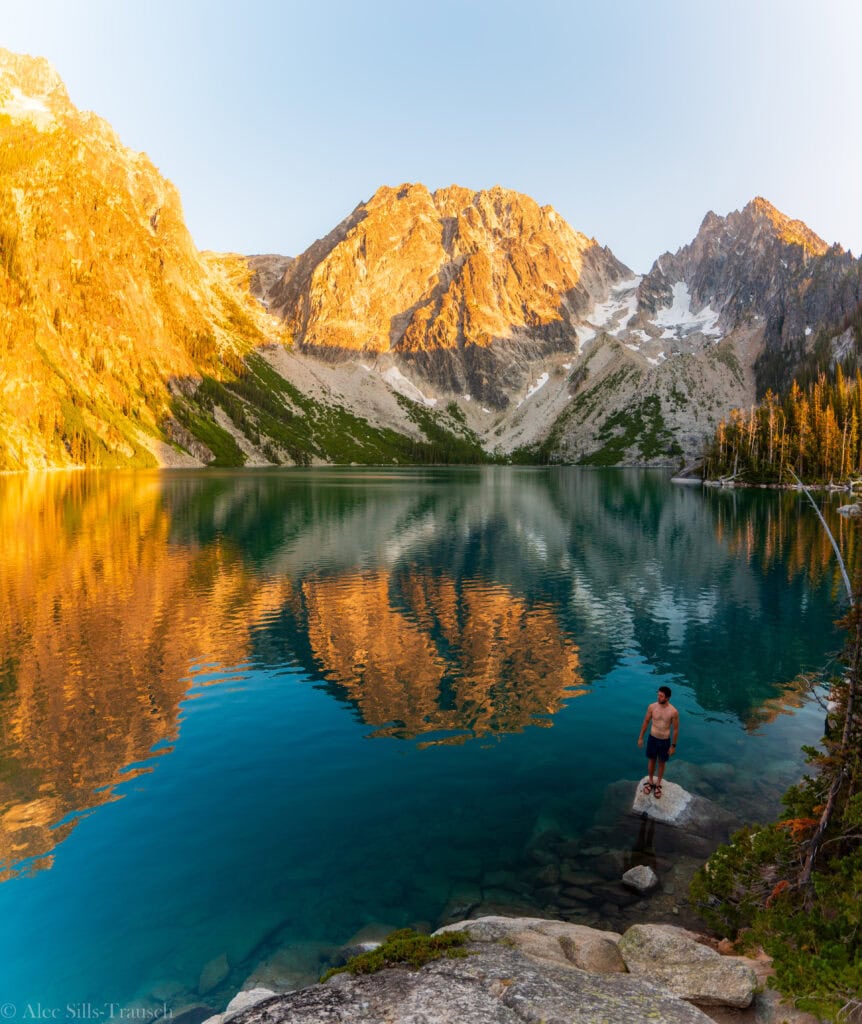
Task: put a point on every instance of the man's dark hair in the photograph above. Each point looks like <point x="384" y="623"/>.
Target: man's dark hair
<point x="665" y="690"/>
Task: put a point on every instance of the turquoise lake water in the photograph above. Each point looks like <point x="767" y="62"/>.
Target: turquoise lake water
<point x="247" y="715"/>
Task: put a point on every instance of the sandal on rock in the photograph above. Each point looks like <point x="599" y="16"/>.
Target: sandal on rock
<point x="648" y="788"/>
<point x="657" y="792"/>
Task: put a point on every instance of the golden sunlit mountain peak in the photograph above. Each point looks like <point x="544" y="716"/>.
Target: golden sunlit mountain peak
<point x="461" y="321"/>
<point x="105" y="302"/>
<point x="792" y="232"/>
<point x="31" y="89"/>
<point x="446" y="280"/>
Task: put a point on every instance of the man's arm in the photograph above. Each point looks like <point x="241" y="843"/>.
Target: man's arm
<point x="675" y="723"/>
<point x="646" y="720"/>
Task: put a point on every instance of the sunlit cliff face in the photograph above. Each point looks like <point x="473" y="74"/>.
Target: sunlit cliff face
<point x="423" y="271"/>
<point x="104" y="298"/>
<point x="102" y="619"/>
<point x="422" y="656"/>
<point x="791" y="232"/>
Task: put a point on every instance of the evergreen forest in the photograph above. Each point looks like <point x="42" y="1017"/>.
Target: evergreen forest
<point x="812" y="431"/>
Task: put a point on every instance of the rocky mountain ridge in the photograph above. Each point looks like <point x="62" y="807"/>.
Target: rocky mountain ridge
<point x="107" y="308"/>
<point x="579" y="359"/>
<point x="427" y="326"/>
<point x="757" y="266"/>
<point x="464" y="288"/>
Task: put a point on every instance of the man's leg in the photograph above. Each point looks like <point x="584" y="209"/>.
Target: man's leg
<point x="651" y="770"/>
<point x="661" y="767"/>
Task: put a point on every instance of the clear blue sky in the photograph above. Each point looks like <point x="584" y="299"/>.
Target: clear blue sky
<point x="631" y="118"/>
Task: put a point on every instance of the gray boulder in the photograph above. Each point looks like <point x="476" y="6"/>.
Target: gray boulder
<point x="682" y="809"/>
<point x="590" y="949"/>
<point x="641" y="878"/>
<point x="497" y="983"/>
<point x="770" y="1008"/>
<point x="673" y="959"/>
<point x="244" y="1000"/>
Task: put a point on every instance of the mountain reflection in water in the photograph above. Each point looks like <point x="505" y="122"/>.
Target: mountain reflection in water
<point x="422" y="654"/>
<point x="103" y="620"/>
<point x="442" y="605"/>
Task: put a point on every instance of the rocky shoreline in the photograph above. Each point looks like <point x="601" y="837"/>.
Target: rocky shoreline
<point x="530" y="970"/>
<point x="596" y="937"/>
<point x="745" y="485"/>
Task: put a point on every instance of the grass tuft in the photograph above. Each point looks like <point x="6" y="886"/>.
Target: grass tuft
<point x="405" y="947"/>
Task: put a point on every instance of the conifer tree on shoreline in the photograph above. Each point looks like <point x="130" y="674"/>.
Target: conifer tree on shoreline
<point x="816" y="432"/>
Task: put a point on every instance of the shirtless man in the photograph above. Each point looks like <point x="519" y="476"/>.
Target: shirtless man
<point x="662" y="715"/>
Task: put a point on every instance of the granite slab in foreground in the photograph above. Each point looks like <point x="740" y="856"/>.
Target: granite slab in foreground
<point x="518" y="971"/>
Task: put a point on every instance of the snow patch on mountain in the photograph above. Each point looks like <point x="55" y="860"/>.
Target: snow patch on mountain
<point x="533" y="388"/>
<point x="585" y="335"/>
<point x="614" y="314"/>
<point x="398" y="382"/>
<point x="679" y="321"/>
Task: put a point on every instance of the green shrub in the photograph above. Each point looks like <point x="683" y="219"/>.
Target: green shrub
<point x="754" y="888"/>
<point x="406" y="947"/>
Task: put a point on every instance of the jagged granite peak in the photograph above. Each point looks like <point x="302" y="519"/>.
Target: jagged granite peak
<point x="458" y="285"/>
<point x="108" y="307"/>
<point x="30" y="87"/>
<point x="736" y="263"/>
<point x="788" y="230"/>
<point x="757" y="265"/>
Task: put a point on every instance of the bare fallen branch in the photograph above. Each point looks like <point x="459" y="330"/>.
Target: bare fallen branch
<point x="835" y="547"/>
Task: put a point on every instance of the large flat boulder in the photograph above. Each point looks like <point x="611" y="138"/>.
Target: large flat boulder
<point x="590" y="949"/>
<point x="679" y="807"/>
<point x="672" y="958"/>
<point x="496" y="984"/>
<point x="680" y="814"/>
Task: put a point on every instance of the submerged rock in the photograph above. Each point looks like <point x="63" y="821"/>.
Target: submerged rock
<point x="641" y="878"/>
<point x="674" y="959"/>
<point x="461" y="903"/>
<point x="213" y="974"/>
<point x="290" y="967"/>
